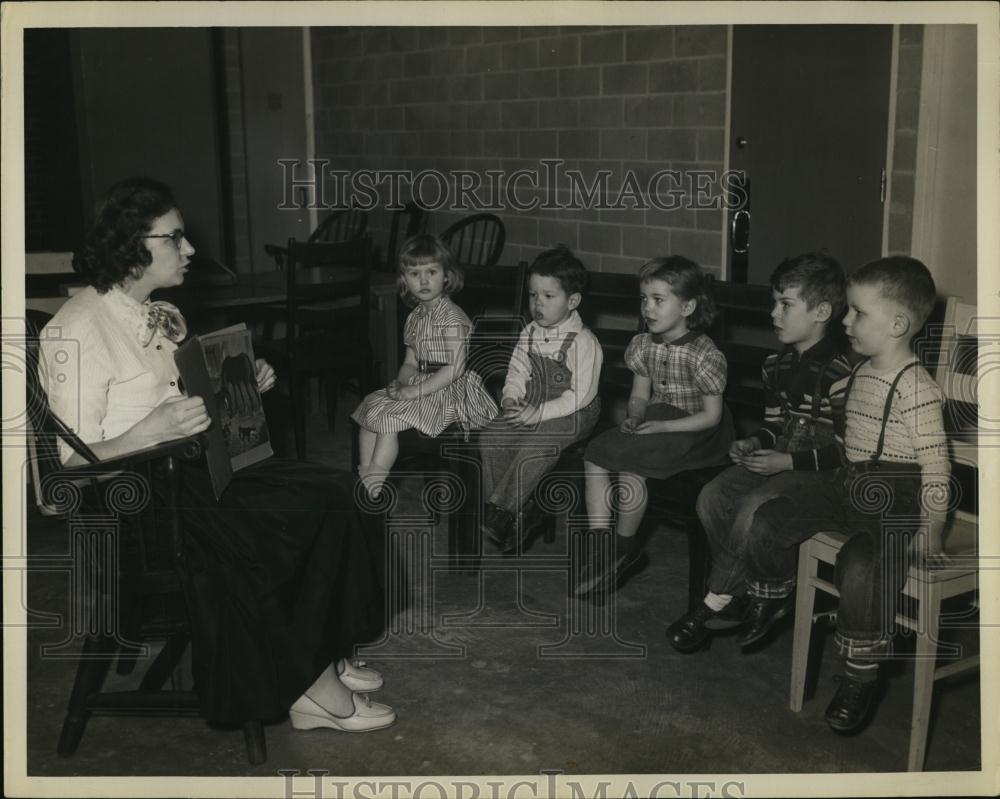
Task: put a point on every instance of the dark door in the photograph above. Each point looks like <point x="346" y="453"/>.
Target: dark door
<point x="810" y="108"/>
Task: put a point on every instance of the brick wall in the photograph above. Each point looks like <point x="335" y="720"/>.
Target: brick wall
<point x="904" y="160"/>
<point x="480" y="99"/>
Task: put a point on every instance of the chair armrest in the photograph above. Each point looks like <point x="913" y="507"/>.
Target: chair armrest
<point x="186" y="449"/>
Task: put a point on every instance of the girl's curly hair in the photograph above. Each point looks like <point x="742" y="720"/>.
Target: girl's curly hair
<point x="113" y="250"/>
<point x="688" y="282"/>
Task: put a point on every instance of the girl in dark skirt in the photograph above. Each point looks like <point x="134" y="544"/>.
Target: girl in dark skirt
<point x="281" y="578"/>
<point x="676" y="420"/>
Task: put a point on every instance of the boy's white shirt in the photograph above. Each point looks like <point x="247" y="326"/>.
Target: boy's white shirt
<point x="584" y="358"/>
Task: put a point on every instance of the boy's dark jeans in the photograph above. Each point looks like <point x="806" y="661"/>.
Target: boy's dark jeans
<point x="878" y="505"/>
<point x="726" y="508"/>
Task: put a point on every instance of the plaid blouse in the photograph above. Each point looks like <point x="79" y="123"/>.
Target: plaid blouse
<point x="679" y="372"/>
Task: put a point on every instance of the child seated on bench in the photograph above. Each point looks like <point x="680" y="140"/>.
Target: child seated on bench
<point x="433" y="389"/>
<point x="897" y="468"/>
<point x="676" y="420"/>
<point x="549" y="399"/>
<point x="796" y="444"/>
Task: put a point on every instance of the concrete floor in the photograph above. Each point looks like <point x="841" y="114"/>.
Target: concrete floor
<point x="524" y="682"/>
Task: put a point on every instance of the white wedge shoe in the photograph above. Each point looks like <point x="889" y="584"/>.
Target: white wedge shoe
<point x="368" y="716"/>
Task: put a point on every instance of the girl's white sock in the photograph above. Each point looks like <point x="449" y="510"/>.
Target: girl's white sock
<point x="717" y="601"/>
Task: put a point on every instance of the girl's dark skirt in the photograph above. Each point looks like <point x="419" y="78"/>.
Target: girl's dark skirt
<point x="283" y="576"/>
<point x="662" y="455"/>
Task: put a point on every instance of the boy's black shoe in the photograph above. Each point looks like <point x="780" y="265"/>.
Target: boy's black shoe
<point x="597" y="583"/>
<point x="732" y="615"/>
<point x="762" y="616"/>
<point x="498" y="526"/>
<point x="689" y="633"/>
<point x="851" y="708"/>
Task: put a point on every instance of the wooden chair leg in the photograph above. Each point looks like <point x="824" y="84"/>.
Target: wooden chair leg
<point x="295" y="391"/>
<point x="928" y="617"/>
<point x="165" y="662"/>
<point x="90" y="674"/>
<point x="253" y="734"/>
<point x="330" y="388"/>
<point x="697" y="564"/>
<point x="804" y="603"/>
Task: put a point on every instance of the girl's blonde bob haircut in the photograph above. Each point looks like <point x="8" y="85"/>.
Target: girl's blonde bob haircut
<point x="427" y="249"/>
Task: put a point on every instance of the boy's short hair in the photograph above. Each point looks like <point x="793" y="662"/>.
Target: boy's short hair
<point x="818" y="277"/>
<point x="904" y="281"/>
<point x="560" y="263"/>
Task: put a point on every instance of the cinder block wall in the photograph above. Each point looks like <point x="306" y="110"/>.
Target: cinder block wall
<point x="480" y="99"/>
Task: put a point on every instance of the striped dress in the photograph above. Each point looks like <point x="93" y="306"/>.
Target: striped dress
<point x="465" y="400"/>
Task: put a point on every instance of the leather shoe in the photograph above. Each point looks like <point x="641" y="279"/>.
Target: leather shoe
<point x="498" y="526"/>
<point x="357" y="676"/>
<point x="305" y="714"/>
<point x="689" y="633"/>
<point x="732" y="615"/>
<point x="852" y="705"/>
<point x="761" y="618"/>
<point x="597" y="583"/>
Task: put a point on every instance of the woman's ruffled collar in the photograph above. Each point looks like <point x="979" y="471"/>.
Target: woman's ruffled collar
<point x="145" y="319"/>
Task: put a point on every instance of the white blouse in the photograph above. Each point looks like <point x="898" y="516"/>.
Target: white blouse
<point x="99" y="378"/>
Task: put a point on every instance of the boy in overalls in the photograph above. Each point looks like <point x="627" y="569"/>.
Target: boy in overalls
<point x="549" y="398"/>
<point x="795" y="445"/>
<point x="893" y="491"/>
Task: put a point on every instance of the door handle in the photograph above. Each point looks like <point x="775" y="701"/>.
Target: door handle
<point x="740" y="231"/>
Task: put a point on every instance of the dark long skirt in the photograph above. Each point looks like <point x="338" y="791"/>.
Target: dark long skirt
<point x="662" y="455"/>
<point x="284" y="575"/>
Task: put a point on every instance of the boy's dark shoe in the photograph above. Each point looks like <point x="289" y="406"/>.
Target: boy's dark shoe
<point x="690" y="633"/>
<point x="693" y="630"/>
<point x="534" y="522"/>
<point x="762" y="616"/>
<point x="732" y="615"/>
<point x="498" y="526"/>
<point x="852" y="706"/>
<point x="596" y="582"/>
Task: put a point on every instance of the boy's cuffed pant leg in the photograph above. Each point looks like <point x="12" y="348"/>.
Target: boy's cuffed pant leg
<point x="496" y="456"/>
<point x="718" y="506"/>
<point x="781" y="523"/>
<point x="871" y="570"/>
<point x="531" y="454"/>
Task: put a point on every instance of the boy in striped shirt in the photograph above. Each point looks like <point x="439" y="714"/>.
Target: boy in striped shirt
<point x="897" y="469"/>
<point x="794" y="446"/>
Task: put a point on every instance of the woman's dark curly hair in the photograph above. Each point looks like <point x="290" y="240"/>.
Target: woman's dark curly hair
<point x="112" y="249"/>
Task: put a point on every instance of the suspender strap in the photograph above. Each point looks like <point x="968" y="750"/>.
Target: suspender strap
<point x="888" y="408"/>
<point x="567" y="342"/>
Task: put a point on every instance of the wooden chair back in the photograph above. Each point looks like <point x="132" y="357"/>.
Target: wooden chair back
<point x="476" y="240"/>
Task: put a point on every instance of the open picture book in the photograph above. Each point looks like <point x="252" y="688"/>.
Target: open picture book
<point x="219" y="368"/>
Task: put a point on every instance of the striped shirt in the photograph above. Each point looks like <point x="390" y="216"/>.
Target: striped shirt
<point x="680" y="372"/>
<point x="914" y="432"/>
<point x="793" y="383"/>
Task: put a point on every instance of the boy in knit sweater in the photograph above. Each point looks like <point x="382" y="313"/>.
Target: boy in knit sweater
<point x="890" y="494"/>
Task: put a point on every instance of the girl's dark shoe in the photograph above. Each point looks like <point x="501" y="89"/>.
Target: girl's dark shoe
<point x="852" y="706"/>
<point x="596" y="583"/>
<point x="498" y="526"/>
<point x="762" y="616"/>
<point x="689" y="633"/>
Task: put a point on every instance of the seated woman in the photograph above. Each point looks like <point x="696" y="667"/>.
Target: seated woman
<point x="282" y="581"/>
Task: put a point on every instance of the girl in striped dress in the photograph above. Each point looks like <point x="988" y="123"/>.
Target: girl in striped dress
<point x="432" y="389"/>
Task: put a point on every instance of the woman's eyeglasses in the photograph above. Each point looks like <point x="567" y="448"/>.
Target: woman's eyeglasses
<point x="176" y="237"/>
